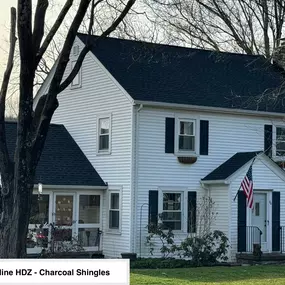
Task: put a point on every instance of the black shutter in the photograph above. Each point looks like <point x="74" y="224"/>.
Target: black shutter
<point x="169" y="135"/>
<point x="267" y="139"/>
<point x="153" y="207"/>
<point x="275" y="221"/>
<point x="192" y="204"/>
<point x="204" y="137"/>
<point x="241" y="222"/>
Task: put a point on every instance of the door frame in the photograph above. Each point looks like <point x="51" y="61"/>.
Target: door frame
<point x="268" y="214"/>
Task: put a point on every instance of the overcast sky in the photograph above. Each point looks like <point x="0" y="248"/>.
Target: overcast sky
<point x="4" y="28"/>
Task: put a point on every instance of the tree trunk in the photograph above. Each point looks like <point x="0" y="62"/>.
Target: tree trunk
<point x="13" y="231"/>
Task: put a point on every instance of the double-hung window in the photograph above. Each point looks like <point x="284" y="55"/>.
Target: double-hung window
<point x="114" y="210"/>
<point x="104" y="134"/>
<point x="186" y="141"/>
<point x="172" y="210"/>
<point x="280" y="141"/>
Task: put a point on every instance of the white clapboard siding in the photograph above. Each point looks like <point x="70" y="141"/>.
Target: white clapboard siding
<point x="78" y="111"/>
<point x="228" y="134"/>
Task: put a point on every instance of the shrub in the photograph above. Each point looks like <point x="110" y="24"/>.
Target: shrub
<point x="205" y="250"/>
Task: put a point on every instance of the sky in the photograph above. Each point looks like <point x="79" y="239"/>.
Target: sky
<point x="4" y="29"/>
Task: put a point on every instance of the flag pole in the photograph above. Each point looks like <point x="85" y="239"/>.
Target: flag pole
<point x="240" y="184"/>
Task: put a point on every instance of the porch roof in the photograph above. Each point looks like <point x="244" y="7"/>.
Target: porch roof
<point x="230" y="166"/>
<point x="62" y="161"/>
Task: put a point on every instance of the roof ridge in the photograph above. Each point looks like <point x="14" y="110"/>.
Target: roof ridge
<point x="177" y="46"/>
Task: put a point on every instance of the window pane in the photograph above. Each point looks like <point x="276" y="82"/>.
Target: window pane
<point x="172" y="225"/>
<point x="280" y="145"/>
<point x="256" y="209"/>
<point x="104" y="125"/>
<point x="63" y="235"/>
<point x="115" y="201"/>
<point x="114" y="219"/>
<point x="64" y="210"/>
<point x="280" y="133"/>
<point x="104" y="142"/>
<point x="88" y="237"/>
<point x="171" y="216"/>
<point x="186" y="128"/>
<point x="171" y="201"/>
<point x="186" y="143"/>
<point x="89" y="209"/>
<point x="40" y="209"/>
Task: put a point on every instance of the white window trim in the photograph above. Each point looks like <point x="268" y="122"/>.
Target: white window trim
<point x="274" y="144"/>
<point x="102" y="152"/>
<point x="183" y="205"/>
<point x="196" y="121"/>
<point x="72" y="86"/>
<point x="110" y="230"/>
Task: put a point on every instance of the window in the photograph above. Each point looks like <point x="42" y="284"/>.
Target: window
<point x="76" y="82"/>
<point x="256" y="209"/>
<point x="114" y="210"/>
<point x="89" y="220"/>
<point x="280" y="141"/>
<point x="104" y="132"/>
<point x="171" y="211"/>
<point x="38" y="224"/>
<point x="186" y="136"/>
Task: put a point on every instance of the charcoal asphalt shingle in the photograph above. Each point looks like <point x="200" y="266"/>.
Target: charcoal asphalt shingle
<point x="62" y="161"/>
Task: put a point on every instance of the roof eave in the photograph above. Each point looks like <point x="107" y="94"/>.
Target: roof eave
<point x="209" y="109"/>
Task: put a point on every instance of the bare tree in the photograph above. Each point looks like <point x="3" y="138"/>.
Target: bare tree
<point x="17" y="173"/>
<point x="247" y="26"/>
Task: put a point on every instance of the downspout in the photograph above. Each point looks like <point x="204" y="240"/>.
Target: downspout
<point x="206" y="188"/>
<point x="135" y="176"/>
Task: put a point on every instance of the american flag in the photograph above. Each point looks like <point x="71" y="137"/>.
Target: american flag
<point x="247" y="187"/>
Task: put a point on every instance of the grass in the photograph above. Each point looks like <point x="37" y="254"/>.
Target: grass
<point x="240" y="275"/>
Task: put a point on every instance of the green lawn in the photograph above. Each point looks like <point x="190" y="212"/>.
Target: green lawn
<point x="240" y="275"/>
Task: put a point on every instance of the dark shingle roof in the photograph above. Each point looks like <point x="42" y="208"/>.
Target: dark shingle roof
<point x="62" y="161"/>
<point x="231" y="166"/>
<point x="171" y="74"/>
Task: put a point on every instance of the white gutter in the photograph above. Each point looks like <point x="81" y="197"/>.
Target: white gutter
<point x="71" y="187"/>
<point x="208" y="182"/>
<point x="209" y="109"/>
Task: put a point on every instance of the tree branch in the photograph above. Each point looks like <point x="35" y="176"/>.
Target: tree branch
<point x="53" y="30"/>
<point x="39" y="24"/>
<point x="4" y="155"/>
<point x="87" y="46"/>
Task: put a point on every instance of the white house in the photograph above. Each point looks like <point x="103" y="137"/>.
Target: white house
<point x="164" y="126"/>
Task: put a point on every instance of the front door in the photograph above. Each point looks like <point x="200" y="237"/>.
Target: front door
<point x="259" y="217"/>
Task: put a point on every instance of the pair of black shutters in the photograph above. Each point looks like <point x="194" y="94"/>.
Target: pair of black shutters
<point x="242" y="221"/>
<point x="170" y="136"/>
<point x="191" y="205"/>
<point x="204" y="137"/>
